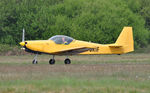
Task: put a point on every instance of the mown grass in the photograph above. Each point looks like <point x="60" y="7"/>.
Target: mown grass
<point x="128" y="73"/>
<point x="94" y="59"/>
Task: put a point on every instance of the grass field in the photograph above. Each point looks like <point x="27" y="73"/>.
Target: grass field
<point x="129" y="73"/>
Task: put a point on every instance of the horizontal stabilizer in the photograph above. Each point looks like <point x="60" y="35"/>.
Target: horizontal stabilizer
<point x="115" y="46"/>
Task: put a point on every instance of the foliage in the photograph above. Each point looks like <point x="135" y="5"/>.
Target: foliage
<point x="4" y="48"/>
<point x="8" y="50"/>
<point x="99" y="21"/>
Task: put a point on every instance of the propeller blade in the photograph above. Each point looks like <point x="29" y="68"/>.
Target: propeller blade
<point x="23" y="39"/>
<point x="23" y="34"/>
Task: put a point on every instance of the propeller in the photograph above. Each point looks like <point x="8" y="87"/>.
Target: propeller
<point x="23" y="39"/>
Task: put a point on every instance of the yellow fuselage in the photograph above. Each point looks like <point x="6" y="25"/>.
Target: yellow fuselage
<point x="123" y="44"/>
<point x="50" y="47"/>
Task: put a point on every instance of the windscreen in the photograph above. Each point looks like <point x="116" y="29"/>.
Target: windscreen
<point x="61" y="39"/>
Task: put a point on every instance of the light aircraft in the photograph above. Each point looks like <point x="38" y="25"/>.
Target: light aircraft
<point x="64" y="45"/>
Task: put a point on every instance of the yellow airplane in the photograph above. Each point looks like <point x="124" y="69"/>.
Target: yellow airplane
<point x="64" y="45"/>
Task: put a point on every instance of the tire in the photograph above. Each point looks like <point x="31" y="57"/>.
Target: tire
<point x="34" y="62"/>
<point x="67" y="61"/>
<point x="52" y="61"/>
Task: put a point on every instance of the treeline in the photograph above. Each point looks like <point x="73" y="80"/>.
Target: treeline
<point x="99" y="21"/>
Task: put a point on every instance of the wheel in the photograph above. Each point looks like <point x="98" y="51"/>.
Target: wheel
<point x="34" y="61"/>
<point x="67" y="61"/>
<point x="52" y="61"/>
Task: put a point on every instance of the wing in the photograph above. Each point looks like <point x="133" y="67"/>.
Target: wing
<point x="72" y="51"/>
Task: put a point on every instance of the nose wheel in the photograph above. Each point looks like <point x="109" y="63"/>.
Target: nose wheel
<point x="67" y="61"/>
<point x="35" y="59"/>
<point x="34" y="62"/>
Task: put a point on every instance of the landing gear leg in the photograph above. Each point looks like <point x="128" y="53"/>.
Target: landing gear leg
<point x="67" y="61"/>
<point x="52" y="61"/>
<point x="35" y="59"/>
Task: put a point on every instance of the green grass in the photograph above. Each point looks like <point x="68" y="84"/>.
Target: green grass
<point x="73" y="85"/>
<point x="128" y="73"/>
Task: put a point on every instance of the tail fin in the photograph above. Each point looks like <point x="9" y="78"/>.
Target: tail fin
<point x="126" y="39"/>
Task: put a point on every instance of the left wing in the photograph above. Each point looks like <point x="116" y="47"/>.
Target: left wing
<point x="75" y="50"/>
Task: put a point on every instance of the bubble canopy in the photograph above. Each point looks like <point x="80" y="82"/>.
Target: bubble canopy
<point x="61" y="39"/>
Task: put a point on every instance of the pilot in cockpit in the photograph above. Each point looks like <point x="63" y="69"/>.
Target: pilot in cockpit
<point x="64" y="41"/>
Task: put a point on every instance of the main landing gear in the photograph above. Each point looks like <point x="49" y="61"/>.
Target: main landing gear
<point x="51" y="61"/>
<point x="66" y="61"/>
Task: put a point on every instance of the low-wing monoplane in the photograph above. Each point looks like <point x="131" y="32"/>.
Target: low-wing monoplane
<point x="64" y="45"/>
